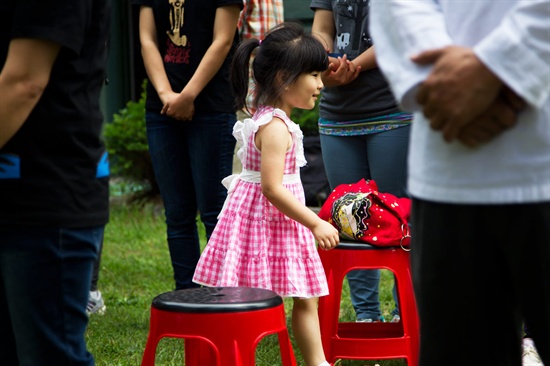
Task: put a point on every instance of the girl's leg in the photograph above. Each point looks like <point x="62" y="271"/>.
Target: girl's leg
<point x="305" y="326"/>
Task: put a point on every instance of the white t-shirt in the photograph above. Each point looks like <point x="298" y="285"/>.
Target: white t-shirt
<point x="512" y="38"/>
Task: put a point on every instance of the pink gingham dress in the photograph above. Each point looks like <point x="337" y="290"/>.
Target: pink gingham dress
<point x="253" y="244"/>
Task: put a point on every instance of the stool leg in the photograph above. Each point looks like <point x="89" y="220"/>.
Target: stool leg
<point x="153" y="339"/>
<point x="198" y="353"/>
<point x="409" y="316"/>
<point x="287" y="353"/>
<point x="150" y="350"/>
<point x="329" y="306"/>
<point x="240" y="353"/>
<point x="233" y="353"/>
<point x="407" y="306"/>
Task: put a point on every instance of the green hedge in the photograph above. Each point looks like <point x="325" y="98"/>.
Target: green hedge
<point x="126" y="141"/>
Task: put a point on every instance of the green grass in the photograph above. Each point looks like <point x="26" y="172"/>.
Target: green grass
<point x="135" y="267"/>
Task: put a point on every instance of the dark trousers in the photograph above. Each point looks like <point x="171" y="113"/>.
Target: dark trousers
<point x="479" y="271"/>
<point x="190" y="159"/>
<point x="97" y="264"/>
<point x="45" y="276"/>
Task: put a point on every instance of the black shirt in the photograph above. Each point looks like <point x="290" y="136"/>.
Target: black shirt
<point x="185" y="31"/>
<point x="54" y="170"/>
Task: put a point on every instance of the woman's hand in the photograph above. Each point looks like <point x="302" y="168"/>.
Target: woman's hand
<point x="179" y="106"/>
<point x="340" y="71"/>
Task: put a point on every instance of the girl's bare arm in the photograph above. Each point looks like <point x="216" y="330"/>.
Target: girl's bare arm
<point x="273" y="140"/>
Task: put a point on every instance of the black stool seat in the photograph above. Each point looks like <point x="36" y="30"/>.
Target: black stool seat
<point x="217" y="300"/>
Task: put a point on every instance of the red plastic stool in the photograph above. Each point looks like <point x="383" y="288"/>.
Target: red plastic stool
<point x="368" y="341"/>
<point x="221" y="326"/>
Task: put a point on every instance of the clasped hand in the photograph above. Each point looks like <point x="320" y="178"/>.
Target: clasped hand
<point x="341" y="71"/>
<point x="177" y="106"/>
<point x="462" y="98"/>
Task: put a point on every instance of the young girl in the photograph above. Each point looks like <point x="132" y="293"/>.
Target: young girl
<point x="265" y="236"/>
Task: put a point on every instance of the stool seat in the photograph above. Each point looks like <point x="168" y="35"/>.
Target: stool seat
<point x="363" y="341"/>
<point x="217" y="300"/>
<point x="221" y="325"/>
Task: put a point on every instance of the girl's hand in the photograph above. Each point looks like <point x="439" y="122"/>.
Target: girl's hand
<point x="326" y="235"/>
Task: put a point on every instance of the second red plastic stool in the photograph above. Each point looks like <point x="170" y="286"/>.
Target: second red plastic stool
<point x="350" y="340"/>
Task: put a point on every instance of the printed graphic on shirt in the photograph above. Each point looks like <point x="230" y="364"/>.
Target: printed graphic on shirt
<point x="10" y="166"/>
<point x="177" y="48"/>
<point x="352" y="27"/>
<point x="176" y="22"/>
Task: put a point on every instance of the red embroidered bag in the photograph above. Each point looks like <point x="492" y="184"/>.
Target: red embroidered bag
<point x="361" y="213"/>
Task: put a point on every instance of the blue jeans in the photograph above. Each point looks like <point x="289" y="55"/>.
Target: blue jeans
<point x="45" y="276"/>
<point x="190" y="159"/>
<point x="383" y="157"/>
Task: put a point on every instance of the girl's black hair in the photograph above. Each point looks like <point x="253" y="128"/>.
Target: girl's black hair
<point x="286" y="53"/>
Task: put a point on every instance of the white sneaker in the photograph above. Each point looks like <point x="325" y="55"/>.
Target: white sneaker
<point x="369" y="320"/>
<point x="395" y="319"/>
<point x="530" y="356"/>
<point x="96" y="305"/>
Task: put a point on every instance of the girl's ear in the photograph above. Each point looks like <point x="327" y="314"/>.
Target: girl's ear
<point x="281" y="79"/>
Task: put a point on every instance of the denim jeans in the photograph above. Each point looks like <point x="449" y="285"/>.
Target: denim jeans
<point x="45" y="278"/>
<point x="383" y="157"/>
<point x="190" y="159"/>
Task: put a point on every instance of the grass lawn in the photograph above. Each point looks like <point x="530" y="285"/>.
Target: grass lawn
<point x="135" y="267"/>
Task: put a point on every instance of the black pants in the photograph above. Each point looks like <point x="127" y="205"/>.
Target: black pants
<point x="479" y="271"/>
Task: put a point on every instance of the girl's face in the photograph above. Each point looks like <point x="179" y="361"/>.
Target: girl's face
<point x="303" y="92"/>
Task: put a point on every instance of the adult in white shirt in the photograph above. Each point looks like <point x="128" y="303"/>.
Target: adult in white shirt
<point x="477" y="76"/>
